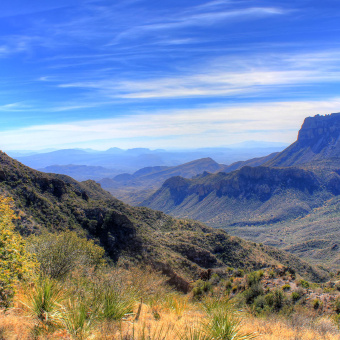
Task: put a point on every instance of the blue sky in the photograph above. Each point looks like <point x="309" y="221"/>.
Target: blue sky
<point x="167" y="74"/>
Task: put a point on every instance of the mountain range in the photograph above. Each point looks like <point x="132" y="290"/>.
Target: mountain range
<point x="179" y="248"/>
<point x="278" y="195"/>
<point x="116" y="161"/>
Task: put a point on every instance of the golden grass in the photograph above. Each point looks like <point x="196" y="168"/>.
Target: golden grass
<point x="15" y="326"/>
<point x="282" y="329"/>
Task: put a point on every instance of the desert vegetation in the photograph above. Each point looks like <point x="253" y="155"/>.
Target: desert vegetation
<point x="61" y="286"/>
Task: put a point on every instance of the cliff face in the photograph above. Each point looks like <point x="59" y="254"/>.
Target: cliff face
<point x="320" y="131"/>
<point x="318" y="144"/>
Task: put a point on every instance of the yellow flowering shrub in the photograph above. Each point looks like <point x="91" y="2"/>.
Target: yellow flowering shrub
<point x="15" y="262"/>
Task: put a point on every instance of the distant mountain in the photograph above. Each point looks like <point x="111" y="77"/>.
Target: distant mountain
<point x="250" y="162"/>
<point x="271" y="195"/>
<point x="81" y="172"/>
<point x="318" y="144"/>
<point x="134" y="159"/>
<point x="57" y="202"/>
<point x="134" y="188"/>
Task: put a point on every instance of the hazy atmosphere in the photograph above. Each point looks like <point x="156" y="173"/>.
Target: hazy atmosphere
<point x="164" y="74"/>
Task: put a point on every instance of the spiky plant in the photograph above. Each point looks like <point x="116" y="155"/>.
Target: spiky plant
<point x="43" y="301"/>
<point x="225" y="325"/>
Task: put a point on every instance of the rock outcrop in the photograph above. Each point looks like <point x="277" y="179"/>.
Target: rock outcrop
<point x="318" y="144"/>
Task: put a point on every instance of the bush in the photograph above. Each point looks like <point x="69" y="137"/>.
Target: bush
<point x="59" y="254"/>
<point x="296" y="296"/>
<point x="303" y="283"/>
<point x="253" y="292"/>
<point x="15" y="262"/>
<point x="200" y="288"/>
<point x="316" y="304"/>
<point x="286" y="287"/>
<point x="254" y="278"/>
<point x="275" y="299"/>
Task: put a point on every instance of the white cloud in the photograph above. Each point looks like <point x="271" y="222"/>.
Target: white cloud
<point x="212" y="126"/>
<point x="225" y="77"/>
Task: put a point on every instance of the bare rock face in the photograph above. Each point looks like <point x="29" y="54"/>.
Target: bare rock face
<point x="318" y="142"/>
<point x="320" y="131"/>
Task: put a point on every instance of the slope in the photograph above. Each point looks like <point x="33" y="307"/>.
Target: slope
<point x="56" y="202"/>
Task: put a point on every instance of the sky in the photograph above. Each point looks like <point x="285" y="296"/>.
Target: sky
<point x="164" y="74"/>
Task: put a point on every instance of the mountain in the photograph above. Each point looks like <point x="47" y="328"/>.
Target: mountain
<point x="251" y="195"/>
<point x="81" y="172"/>
<point x="132" y="160"/>
<point x="250" y="162"/>
<point x="135" y="188"/>
<point x="56" y="202"/>
<point x="261" y="202"/>
<point x="318" y="144"/>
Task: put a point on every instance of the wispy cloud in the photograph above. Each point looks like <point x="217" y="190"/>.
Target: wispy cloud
<point x="212" y="126"/>
<point x="218" y="79"/>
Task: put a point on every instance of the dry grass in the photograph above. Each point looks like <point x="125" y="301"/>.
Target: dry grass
<point x="285" y="329"/>
<point x="15" y="326"/>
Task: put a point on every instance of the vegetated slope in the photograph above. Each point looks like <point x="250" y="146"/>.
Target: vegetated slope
<point x="314" y="237"/>
<point x="134" y="188"/>
<point x="57" y="202"/>
<point x="318" y="144"/>
<point x="247" y="196"/>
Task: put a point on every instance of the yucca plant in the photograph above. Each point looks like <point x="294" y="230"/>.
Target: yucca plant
<point x="115" y="305"/>
<point x="43" y="301"/>
<point x="225" y="325"/>
<point x="79" y="318"/>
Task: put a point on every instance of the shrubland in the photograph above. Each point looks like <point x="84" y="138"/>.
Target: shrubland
<point x="61" y="286"/>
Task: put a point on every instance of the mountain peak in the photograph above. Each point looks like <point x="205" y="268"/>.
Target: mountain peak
<point x="318" y="143"/>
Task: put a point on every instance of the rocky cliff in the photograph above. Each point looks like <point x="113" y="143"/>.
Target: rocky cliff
<point x="318" y="144"/>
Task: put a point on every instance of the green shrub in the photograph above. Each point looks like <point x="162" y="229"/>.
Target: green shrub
<point x="295" y="296"/>
<point x="200" y="288"/>
<point x="286" y="287"/>
<point x="59" y="254"/>
<point x="252" y="292"/>
<point x="254" y="278"/>
<point x="316" y="303"/>
<point x="275" y="299"/>
<point x="303" y="283"/>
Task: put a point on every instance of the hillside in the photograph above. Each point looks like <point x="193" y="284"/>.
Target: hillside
<point x="135" y="188"/>
<point x="57" y="202"/>
<point x="252" y="195"/>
